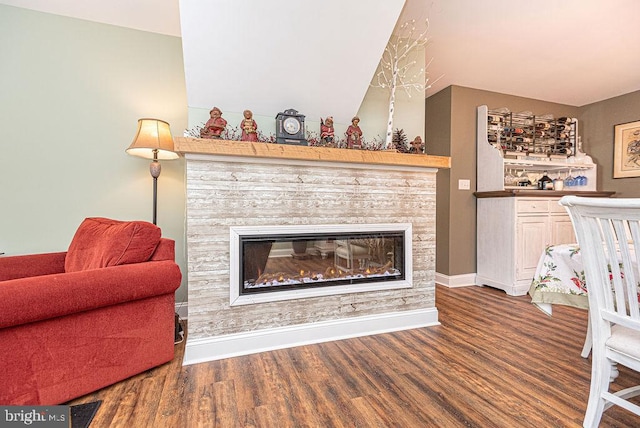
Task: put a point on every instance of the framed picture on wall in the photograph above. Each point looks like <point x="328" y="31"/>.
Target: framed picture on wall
<point x="626" y="156"/>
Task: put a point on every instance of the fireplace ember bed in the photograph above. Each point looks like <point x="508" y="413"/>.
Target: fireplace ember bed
<point x="273" y="263"/>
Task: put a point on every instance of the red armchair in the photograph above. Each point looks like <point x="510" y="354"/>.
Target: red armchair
<point x="74" y="322"/>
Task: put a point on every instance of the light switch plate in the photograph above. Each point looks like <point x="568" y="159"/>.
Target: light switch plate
<point x="464" y="184"/>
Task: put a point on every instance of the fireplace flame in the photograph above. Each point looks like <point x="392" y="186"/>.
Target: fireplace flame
<point x="330" y="274"/>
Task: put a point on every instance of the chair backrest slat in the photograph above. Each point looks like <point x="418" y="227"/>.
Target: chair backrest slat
<point x="634" y="280"/>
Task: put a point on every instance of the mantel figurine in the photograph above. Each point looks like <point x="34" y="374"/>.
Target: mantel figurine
<point x="327" y="132"/>
<point x="354" y="134"/>
<point x="249" y="127"/>
<point x="416" y="145"/>
<point x="215" y="126"/>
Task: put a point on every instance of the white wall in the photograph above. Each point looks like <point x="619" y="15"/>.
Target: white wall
<point x="271" y="55"/>
<point x="72" y="92"/>
<point x="373" y="113"/>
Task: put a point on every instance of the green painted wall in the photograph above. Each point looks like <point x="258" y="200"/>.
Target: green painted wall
<point x="71" y="94"/>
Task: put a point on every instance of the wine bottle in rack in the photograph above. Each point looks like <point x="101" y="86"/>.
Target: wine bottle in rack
<point x="543" y="125"/>
<point x="544" y="182"/>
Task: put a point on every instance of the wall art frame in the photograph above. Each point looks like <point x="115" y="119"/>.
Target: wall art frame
<point x="626" y="156"/>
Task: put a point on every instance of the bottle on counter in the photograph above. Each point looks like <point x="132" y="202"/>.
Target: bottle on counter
<point x="544" y="182"/>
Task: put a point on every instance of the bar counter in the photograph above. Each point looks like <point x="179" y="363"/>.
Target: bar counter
<point x="541" y="193"/>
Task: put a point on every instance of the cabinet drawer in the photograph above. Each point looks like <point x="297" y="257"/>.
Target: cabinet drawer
<point x="532" y="206"/>
<point x="556" y="208"/>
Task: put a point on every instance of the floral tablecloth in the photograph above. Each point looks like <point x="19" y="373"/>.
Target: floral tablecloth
<point x="559" y="279"/>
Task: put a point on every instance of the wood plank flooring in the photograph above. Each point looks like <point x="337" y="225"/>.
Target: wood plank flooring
<point x="495" y="361"/>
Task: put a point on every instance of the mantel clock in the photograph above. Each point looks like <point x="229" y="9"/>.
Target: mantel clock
<point x="290" y="128"/>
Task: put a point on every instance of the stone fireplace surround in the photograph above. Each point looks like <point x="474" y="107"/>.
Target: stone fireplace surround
<point x="260" y="184"/>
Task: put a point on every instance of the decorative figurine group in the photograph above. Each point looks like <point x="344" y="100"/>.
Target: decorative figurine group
<point x="216" y="125"/>
<point x="354" y="133"/>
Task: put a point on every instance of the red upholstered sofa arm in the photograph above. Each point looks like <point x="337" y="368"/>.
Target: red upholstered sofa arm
<point x="37" y="298"/>
<point x="166" y="250"/>
<point x="14" y="267"/>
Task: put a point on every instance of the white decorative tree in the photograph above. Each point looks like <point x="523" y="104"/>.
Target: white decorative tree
<point x="396" y="63"/>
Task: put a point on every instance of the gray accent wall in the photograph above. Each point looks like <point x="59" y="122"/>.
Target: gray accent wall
<point x="451" y="125"/>
<point x="597" y="122"/>
<point x="450" y="129"/>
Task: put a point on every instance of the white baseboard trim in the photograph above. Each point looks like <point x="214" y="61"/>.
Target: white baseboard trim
<point x="464" y="280"/>
<point x="233" y="345"/>
<point x="519" y="288"/>
<point x="182" y="309"/>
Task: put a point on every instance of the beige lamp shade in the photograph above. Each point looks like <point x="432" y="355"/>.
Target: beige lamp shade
<point x="153" y="135"/>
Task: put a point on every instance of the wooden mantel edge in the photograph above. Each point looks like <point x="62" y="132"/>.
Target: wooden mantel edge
<point x="326" y="154"/>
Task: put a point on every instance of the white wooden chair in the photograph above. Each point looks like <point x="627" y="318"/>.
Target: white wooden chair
<point x="608" y="232"/>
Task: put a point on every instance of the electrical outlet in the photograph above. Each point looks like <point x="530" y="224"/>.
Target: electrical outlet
<point x="464" y="184"/>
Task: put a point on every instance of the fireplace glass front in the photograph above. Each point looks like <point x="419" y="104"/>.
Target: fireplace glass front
<point x="292" y="261"/>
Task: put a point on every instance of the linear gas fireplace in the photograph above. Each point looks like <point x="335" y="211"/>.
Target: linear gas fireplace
<point x="274" y="263"/>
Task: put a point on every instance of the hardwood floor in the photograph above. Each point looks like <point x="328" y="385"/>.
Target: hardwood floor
<point x="495" y="361"/>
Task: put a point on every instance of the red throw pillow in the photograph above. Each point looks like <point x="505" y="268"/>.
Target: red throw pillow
<point x="102" y="242"/>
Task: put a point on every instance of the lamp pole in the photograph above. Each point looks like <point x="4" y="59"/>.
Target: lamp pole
<point x="154" y="169"/>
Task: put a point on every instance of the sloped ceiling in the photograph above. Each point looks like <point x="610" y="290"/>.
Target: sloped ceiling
<point x="283" y="54"/>
<point x="156" y="16"/>
<point x="573" y="52"/>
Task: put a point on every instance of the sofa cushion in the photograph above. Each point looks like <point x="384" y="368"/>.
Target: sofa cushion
<point x="102" y="242"/>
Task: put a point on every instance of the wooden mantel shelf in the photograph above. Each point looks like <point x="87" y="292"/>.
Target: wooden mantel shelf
<point x="283" y="151"/>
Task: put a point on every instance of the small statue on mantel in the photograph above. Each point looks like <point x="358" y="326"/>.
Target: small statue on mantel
<point x="215" y="126"/>
<point x="249" y="127"/>
<point x="416" y="145"/>
<point x="354" y="134"/>
<point x="327" y="132"/>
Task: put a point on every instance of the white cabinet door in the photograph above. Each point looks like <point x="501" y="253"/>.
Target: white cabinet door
<point x="532" y="236"/>
<point x="561" y="230"/>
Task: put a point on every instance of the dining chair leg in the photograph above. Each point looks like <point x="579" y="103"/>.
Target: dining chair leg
<point x="600" y="377"/>
<point x="588" y="340"/>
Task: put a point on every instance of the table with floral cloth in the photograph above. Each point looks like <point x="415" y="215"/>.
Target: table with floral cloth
<point x="559" y="279"/>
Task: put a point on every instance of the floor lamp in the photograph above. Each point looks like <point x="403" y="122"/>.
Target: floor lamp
<point x="153" y="141"/>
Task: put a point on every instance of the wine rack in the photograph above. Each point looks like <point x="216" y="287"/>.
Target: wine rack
<point x="514" y="150"/>
<point x="524" y="133"/>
